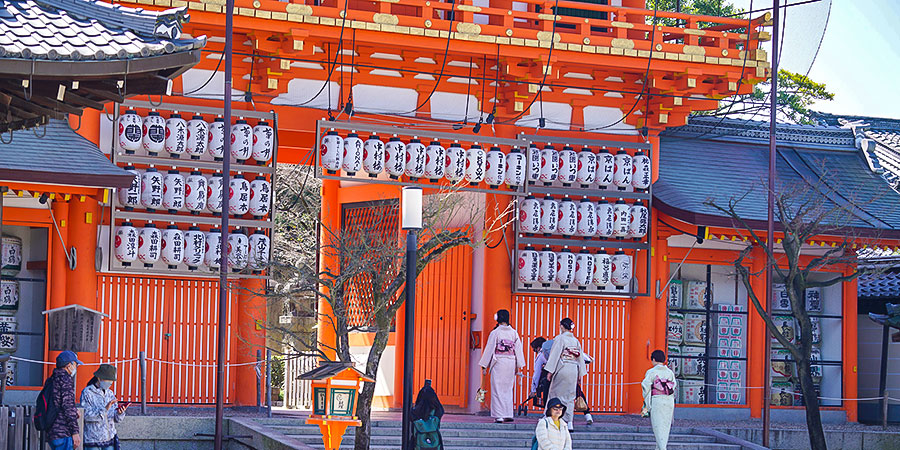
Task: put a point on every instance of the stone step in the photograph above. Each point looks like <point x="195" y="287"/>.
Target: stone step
<point x="594" y="445"/>
<point x="303" y="432"/>
<point x="521" y="442"/>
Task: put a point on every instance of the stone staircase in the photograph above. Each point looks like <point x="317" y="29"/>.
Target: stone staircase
<point x="514" y="436"/>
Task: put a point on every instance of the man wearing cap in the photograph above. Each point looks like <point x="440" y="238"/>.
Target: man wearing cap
<point x="63" y="433"/>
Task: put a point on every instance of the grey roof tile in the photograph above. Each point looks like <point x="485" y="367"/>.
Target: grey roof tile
<point x="89" y="29"/>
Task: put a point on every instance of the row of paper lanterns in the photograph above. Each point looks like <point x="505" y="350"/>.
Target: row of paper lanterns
<point x="194" y="137"/>
<point x="194" y="248"/>
<point x="433" y="161"/>
<point x="583" y="218"/>
<point x="195" y="193"/>
<point x="582" y="269"/>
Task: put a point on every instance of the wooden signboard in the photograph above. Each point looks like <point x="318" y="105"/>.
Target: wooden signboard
<point x="74" y="328"/>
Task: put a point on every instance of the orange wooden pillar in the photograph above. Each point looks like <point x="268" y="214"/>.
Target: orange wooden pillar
<point x="331" y="222"/>
<point x="81" y="283"/>
<point x="660" y="271"/>
<point x="756" y="337"/>
<point x="250" y="337"/>
<point x="498" y="275"/>
<point x="850" y="347"/>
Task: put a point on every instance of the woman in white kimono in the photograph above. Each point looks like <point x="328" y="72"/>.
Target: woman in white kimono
<point x="659" y="398"/>
<point x="504" y="357"/>
<point x="565" y="367"/>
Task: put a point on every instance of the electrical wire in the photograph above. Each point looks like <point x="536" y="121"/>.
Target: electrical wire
<point x="452" y="15"/>
<point x="334" y="62"/>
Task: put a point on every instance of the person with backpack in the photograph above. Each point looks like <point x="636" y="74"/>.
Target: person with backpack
<point x="552" y="432"/>
<point x="426" y="417"/>
<point x="540" y="385"/>
<point x="56" y="410"/>
<point x="503" y="355"/>
<point x="101" y="410"/>
<point x="659" y="398"/>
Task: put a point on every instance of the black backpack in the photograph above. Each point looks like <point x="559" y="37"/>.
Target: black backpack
<point x="45" y="410"/>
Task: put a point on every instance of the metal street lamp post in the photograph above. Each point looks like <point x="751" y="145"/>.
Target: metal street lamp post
<point x="411" y="221"/>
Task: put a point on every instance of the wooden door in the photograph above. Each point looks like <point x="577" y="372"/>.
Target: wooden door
<point x="443" y="302"/>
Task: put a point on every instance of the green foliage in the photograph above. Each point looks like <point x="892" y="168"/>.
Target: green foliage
<point x="278" y="371"/>
<point x="796" y="93"/>
<point x="718" y="8"/>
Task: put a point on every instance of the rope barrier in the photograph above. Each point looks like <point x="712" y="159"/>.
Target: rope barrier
<point x="49" y="363"/>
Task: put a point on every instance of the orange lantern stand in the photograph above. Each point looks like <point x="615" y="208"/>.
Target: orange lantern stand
<point x="335" y="388"/>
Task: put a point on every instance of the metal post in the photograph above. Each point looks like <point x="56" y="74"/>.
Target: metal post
<point x="143" y="367"/>
<point x="882" y="384"/>
<point x="269" y="382"/>
<point x="409" y="337"/>
<point x="258" y="381"/>
<point x="223" y="267"/>
<point x="770" y="231"/>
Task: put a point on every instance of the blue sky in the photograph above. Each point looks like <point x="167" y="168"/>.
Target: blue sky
<point x="859" y="56"/>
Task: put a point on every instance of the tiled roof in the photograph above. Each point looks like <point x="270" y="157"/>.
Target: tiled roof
<point x="56" y="154"/>
<point x="724" y="163"/>
<point x="879" y="140"/>
<point x="80" y="30"/>
<point x="882" y="285"/>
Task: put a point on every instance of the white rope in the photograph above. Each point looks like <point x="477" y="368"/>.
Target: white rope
<point x="49" y="363"/>
<point x="173" y="363"/>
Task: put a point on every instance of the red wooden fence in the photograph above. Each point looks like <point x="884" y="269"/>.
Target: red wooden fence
<point x="600" y="325"/>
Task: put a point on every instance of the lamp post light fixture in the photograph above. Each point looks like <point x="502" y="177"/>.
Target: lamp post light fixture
<point x="411" y="221"/>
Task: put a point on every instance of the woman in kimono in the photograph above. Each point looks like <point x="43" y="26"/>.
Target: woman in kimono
<point x="504" y="357"/>
<point x="565" y="367"/>
<point x="659" y="398"/>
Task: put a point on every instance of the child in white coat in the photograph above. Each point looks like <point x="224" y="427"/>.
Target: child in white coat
<point x="551" y="432"/>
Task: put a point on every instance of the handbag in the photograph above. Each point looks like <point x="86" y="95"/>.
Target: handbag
<point x="580" y="404"/>
<point x="480" y="394"/>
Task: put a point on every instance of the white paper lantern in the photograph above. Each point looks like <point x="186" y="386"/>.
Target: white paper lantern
<point x="216" y="144"/>
<point x="241" y="140"/>
<point x="415" y="159"/>
<point x="476" y="164"/>
<point x="568" y="166"/>
<point x="587" y="218"/>
<point x="456" y="163"/>
<point x="606" y="168"/>
<point x="549" y="165"/>
<point x="195" y="192"/>
<point x="8" y="339"/>
<point x="130" y="197"/>
<point x="258" y="256"/>
<point x="172" y="246"/>
<point x="641" y="178"/>
<point x="602" y="269"/>
<point x="395" y="157"/>
<point x="533" y="173"/>
<point x="547" y="267"/>
<point x="515" y="168"/>
<point x="567" y="223"/>
<point x="151" y="189"/>
<point x="549" y="215"/>
<point x="10" y="255"/>
<point x="528" y="266"/>
<point x="197" y="135"/>
<point x="639" y="220"/>
<point x="194" y="248"/>
<point x="215" y="193"/>
<point x="495" y="167"/>
<point x="352" y="159"/>
<point x="621" y="218"/>
<point x="606" y="222"/>
<point x="260" y="197"/>
<point x="176" y="135"/>
<point x="9" y="295"/>
<point x="435" y="161"/>
<point x="130" y="131"/>
<point x="263" y="142"/>
<point x="149" y="244"/>
<point x="126" y="244"/>
<point x="154" y="138"/>
<point x="239" y="196"/>
<point x="624" y="168"/>
<point x="331" y="152"/>
<point x="530" y="215"/>
<point x="173" y="191"/>
<point x="621" y="270"/>
<point x="238" y="247"/>
<point x="565" y="268"/>
<point x="584" y="269"/>
<point x="587" y="167"/>
<point x="212" y="257"/>
<point x="373" y="156"/>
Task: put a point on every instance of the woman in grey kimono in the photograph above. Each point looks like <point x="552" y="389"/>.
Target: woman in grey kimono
<point x="565" y="367"/>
